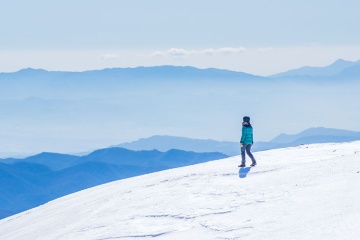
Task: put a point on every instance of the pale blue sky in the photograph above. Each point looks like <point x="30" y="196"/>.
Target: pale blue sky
<point x="260" y="37"/>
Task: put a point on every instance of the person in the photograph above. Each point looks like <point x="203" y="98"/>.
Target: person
<point x="246" y="141"/>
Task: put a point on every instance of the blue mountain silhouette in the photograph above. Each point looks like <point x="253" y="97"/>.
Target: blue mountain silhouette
<point x="339" y="69"/>
<point x="26" y="183"/>
<point x="308" y="136"/>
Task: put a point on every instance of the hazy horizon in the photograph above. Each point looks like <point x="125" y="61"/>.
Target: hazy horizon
<point x="259" y="37"/>
<point x="149" y="66"/>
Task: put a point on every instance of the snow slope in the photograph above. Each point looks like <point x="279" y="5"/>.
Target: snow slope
<point x="304" y="192"/>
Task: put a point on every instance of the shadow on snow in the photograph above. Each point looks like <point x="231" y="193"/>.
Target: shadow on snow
<point x="243" y="172"/>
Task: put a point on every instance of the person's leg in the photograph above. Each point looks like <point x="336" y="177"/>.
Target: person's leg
<point x="248" y="151"/>
<point x="243" y="148"/>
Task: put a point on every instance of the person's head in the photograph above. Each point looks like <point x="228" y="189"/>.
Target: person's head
<point x="246" y="119"/>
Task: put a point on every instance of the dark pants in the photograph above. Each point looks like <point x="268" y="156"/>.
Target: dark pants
<point x="247" y="148"/>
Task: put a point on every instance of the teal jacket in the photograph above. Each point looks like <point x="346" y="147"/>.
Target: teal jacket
<point x="247" y="135"/>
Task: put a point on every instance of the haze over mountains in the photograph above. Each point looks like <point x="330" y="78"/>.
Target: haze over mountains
<point x="121" y="120"/>
<point x="53" y="113"/>
<point x="308" y="136"/>
<point x="339" y="69"/>
<point x="69" y="112"/>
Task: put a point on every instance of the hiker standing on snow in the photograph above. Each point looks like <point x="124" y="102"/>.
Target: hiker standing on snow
<point x="246" y="141"/>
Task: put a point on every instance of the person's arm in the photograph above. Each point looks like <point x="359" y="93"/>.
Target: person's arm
<point x="242" y="135"/>
<point x="252" y="136"/>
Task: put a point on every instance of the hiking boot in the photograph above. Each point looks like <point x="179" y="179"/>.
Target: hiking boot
<point x="253" y="164"/>
<point x="242" y="165"/>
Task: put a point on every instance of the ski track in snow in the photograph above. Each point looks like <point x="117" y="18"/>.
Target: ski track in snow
<point x="304" y="192"/>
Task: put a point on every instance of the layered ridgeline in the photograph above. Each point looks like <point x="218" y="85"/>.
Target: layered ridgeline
<point x="340" y="69"/>
<point x="75" y="111"/>
<point x="109" y="82"/>
<point x="308" y="136"/>
<point x="34" y="180"/>
<point x="29" y="182"/>
<point x="43" y="84"/>
<point x="304" y="192"/>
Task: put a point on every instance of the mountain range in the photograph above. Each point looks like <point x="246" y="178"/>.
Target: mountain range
<point x="95" y="83"/>
<point x="308" y="136"/>
<point x="108" y="79"/>
<point x="340" y="69"/>
<point x="68" y="111"/>
<point x="54" y="111"/>
<point x="156" y="72"/>
<point x="29" y="182"/>
<point x="305" y="192"/>
<point x="165" y="143"/>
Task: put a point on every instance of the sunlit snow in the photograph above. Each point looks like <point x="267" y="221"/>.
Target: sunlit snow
<point x="304" y="192"/>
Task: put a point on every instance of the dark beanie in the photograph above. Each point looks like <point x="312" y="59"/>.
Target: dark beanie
<point x="246" y="119"/>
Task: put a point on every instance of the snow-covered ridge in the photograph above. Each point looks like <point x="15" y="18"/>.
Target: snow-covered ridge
<point x="304" y="192"/>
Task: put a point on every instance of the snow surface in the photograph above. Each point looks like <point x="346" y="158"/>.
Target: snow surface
<point x="304" y="192"/>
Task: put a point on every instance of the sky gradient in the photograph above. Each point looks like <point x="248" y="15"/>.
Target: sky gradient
<point x="258" y="37"/>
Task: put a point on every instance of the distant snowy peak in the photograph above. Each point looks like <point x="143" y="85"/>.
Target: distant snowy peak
<point x="335" y="69"/>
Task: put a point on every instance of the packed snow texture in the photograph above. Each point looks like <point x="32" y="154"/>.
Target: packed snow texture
<point x="304" y="192"/>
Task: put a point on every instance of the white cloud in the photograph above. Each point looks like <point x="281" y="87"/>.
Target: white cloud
<point x="107" y="56"/>
<point x="228" y="50"/>
<point x="178" y="52"/>
<point x="209" y="51"/>
<point x="181" y="52"/>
